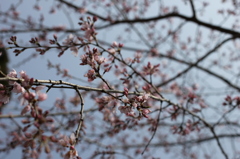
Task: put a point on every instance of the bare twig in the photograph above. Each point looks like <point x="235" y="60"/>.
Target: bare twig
<point x="77" y="133"/>
<point x="155" y="129"/>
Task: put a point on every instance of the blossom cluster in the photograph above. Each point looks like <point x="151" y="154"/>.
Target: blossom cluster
<point x="137" y="102"/>
<point x="130" y="104"/>
<point x="26" y="97"/>
<point x="94" y="59"/>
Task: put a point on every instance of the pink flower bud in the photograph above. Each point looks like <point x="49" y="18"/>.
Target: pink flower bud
<point x="120" y="45"/>
<point x="95" y="18"/>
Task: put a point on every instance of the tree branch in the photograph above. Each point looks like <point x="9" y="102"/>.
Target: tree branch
<point x="177" y="15"/>
<point x="196" y="141"/>
<point x="196" y="63"/>
<point x="50" y="114"/>
<point x="193" y="9"/>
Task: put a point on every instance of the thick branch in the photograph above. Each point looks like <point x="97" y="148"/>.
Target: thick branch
<point x="171" y="15"/>
<point x="75" y="86"/>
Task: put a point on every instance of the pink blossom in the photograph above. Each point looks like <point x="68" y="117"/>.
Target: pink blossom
<point x="29" y="96"/>
<point x="12" y="74"/>
<point x="145" y="112"/>
<point x="65" y="73"/>
<point x="27" y="80"/>
<point x="26" y="109"/>
<point x="91" y="75"/>
<point x="85" y="26"/>
<point x="38" y="88"/>
<point x="72" y="139"/>
<point x="150" y="69"/>
<point x="4" y="98"/>
<point x="64" y="141"/>
<point x="89" y="30"/>
<point x="114" y="44"/>
<point x="111" y="50"/>
<point x="68" y="141"/>
<point x="100" y="60"/>
<point x="74" y="50"/>
<point x="126" y="110"/>
<point x="84" y="59"/>
<point x="134" y="104"/>
<point x="137" y="57"/>
<point x="72" y="153"/>
<point x="69" y="40"/>
<point x="142" y="98"/>
<point x="24" y="75"/>
<point x="42" y="96"/>
<point x="89" y="34"/>
<point x="17" y="88"/>
<point x="103" y="101"/>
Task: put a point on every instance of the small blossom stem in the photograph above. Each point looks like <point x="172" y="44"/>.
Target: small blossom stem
<point x="15" y="122"/>
<point x="104" y="81"/>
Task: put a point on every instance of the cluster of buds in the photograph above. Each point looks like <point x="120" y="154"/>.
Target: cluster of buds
<point x="137" y="102"/>
<point x="186" y="129"/>
<point x="115" y="47"/>
<point x="232" y="101"/>
<point x="69" y="142"/>
<point x="13" y="40"/>
<point x="35" y="41"/>
<point x="150" y="69"/>
<point x="94" y="59"/>
<point x="88" y="27"/>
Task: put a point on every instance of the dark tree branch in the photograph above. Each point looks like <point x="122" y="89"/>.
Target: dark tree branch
<point x="218" y="143"/>
<point x="160" y="17"/>
<point x="193" y="9"/>
<point x="177" y="15"/>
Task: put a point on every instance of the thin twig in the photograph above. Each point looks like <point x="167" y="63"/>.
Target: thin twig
<point x="193" y="9"/>
<point x="155" y="129"/>
<point x="77" y="133"/>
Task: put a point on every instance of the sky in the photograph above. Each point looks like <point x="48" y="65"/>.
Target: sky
<point x="37" y="67"/>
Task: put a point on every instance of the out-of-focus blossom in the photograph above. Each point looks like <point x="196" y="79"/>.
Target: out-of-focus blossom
<point x="17" y="88"/>
<point x="91" y="75"/>
<point x="26" y="109"/>
<point x="42" y="96"/>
